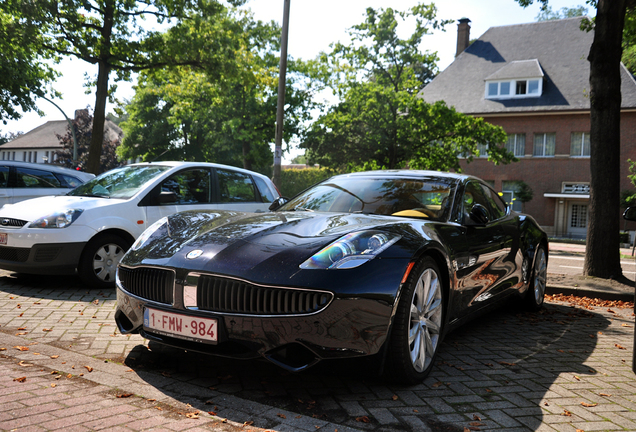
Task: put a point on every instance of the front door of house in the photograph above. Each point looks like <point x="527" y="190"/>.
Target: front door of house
<point x="577" y="219"/>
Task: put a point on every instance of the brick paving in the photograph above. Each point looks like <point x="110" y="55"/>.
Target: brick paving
<point x="64" y="366"/>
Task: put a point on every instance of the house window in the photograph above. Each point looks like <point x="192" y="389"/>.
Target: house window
<point x="13" y="155"/>
<point x="544" y="144"/>
<point x="522" y="88"/>
<point x="24" y="155"/>
<point x="483" y="150"/>
<point x="509" y="189"/>
<point x="35" y="157"/>
<point x="516" y="144"/>
<point x="580" y="144"/>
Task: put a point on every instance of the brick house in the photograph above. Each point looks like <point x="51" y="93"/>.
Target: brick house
<point x="533" y="80"/>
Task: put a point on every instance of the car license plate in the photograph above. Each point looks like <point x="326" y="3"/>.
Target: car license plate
<point x="181" y="326"/>
<point x="3" y="238"/>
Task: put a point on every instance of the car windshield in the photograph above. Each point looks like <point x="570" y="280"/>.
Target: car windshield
<point x="121" y="183"/>
<point x="425" y="197"/>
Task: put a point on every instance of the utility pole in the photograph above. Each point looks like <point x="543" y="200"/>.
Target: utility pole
<point x="280" y="110"/>
<point x="70" y="125"/>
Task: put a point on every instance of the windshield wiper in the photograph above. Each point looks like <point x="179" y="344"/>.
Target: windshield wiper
<point x="302" y="209"/>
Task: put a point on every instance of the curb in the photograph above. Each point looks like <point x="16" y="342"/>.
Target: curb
<point x="590" y="293"/>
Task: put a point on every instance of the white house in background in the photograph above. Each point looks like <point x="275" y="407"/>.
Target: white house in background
<point x="40" y="144"/>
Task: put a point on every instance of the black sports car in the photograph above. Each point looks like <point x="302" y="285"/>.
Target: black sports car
<point x="376" y="263"/>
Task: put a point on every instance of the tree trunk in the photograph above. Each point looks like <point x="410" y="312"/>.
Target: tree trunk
<point x="602" y="256"/>
<point x="93" y="164"/>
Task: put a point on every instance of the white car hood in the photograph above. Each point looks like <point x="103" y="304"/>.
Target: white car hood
<point x="36" y="208"/>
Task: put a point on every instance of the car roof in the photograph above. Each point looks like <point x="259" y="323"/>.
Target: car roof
<point x="49" y="167"/>
<point x="183" y="164"/>
<point x="410" y="174"/>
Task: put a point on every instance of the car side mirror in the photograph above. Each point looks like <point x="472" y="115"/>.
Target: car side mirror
<point x="478" y="215"/>
<point x="167" y="197"/>
<point x="278" y="203"/>
<point x="630" y="214"/>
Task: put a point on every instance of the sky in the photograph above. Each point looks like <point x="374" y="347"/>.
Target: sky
<point x="313" y="25"/>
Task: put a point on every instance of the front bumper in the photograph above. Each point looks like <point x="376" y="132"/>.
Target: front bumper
<point x="51" y="259"/>
<point x="346" y="327"/>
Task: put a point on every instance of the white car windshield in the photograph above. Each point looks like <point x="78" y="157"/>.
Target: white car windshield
<point x="121" y="183"/>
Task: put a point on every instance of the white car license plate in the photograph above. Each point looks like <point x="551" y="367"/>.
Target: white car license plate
<point x="3" y="238"/>
<point x="181" y="326"/>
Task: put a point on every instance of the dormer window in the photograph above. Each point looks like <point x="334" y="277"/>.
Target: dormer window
<point x="518" y="79"/>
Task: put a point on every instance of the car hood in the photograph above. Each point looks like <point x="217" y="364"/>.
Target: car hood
<point x="239" y="243"/>
<point x="35" y="208"/>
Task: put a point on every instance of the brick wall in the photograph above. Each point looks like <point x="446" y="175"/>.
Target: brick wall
<point x="546" y="174"/>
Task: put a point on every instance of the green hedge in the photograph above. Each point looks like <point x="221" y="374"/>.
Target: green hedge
<point x="294" y="181"/>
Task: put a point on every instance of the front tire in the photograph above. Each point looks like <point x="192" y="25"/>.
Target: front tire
<point x="100" y="258"/>
<point x="418" y="325"/>
<point x="536" y="290"/>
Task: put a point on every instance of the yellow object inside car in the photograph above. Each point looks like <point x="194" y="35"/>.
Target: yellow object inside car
<point x="411" y="213"/>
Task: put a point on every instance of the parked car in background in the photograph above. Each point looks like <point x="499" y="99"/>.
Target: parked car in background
<point x="20" y="181"/>
<point x="367" y="264"/>
<point x="89" y="229"/>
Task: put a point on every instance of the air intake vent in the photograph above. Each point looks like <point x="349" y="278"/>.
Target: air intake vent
<point x="10" y="222"/>
<point x="148" y="283"/>
<point x="225" y="295"/>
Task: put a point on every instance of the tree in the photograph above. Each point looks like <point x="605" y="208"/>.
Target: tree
<point x="380" y="121"/>
<point x="83" y="124"/>
<point x="112" y="35"/>
<point x="193" y="114"/>
<point x="547" y="14"/>
<point x="602" y="256"/>
<point x="9" y="136"/>
<point x="23" y="77"/>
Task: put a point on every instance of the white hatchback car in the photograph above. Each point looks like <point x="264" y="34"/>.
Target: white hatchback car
<point x="89" y="229"/>
<point x="20" y="181"/>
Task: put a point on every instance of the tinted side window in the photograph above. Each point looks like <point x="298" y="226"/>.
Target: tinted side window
<point x="4" y="176"/>
<point x="33" y="178"/>
<point x="474" y="194"/>
<point x="235" y="187"/>
<point x="191" y="186"/>
<point x="69" y="181"/>
<point x="497" y="206"/>
<point x="265" y="192"/>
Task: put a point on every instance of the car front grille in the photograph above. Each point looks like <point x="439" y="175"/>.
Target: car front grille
<point x="224" y="295"/>
<point x="14" y="254"/>
<point x="148" y="283"/>
<point x="10" y="222"/>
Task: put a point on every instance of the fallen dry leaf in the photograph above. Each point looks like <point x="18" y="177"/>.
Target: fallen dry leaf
<point x="21" y="348"/>
<point x="619" y="347"/>
<point x="248" y="423"/>
<point x="506" y="363"/>
<point x="193" y="415"/>
<point x="22" y="363"/>
<point x="21" y="379"/>
<point x="363" y="419"/>
<point x="605" y="394"/>
<point x="394" y="397"/>
<point x="588" y="405"/>
<point x="566" y="413"/>
<point x="283" y="416"/>
<point x="88" y="368"/>
<point x="21" y="333"/>
<point x="124" y="395"/>
<point x="54" y="356"/>
<point x="47" y="329"/>
<point x="21" y="328"/>
<point x="577" y="378"/>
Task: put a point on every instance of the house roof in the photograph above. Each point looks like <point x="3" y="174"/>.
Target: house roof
<point x="45" y="136"/>
<point x="558" y="49"/>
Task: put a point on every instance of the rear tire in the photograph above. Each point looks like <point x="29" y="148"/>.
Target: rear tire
<point x="418" y="325"/>
<point x="98" y="264"/>
<point x="536" y="290"/>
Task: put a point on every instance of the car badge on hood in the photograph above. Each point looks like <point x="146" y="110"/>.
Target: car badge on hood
<point x="194" y="254"/>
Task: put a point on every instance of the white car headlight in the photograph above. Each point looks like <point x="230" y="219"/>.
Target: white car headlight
<point x="60" y="219"/>
<point x="351" y="250"/>
<point x="158" y="228"/>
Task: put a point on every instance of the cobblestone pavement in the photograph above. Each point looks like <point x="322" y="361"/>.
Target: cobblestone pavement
<point x="63" y="365"/>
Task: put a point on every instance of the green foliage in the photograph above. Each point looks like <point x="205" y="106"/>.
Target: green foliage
<point x="547" y="14"/>
<point x="294" y="181"/>
<point x="199" y="114"/>
<point x="628" y="198"/>
<point x="83" y="124"/>
<point x="629" y="41"/>
<point x="23" y="74"/>
<point x="380" y="122"/>
<point x="524" y="192"/>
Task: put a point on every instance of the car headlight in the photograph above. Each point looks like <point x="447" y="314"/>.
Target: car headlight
<point x="60" y="219"/>
<point x="351" y="251"/>
<point x="157" y="229"/>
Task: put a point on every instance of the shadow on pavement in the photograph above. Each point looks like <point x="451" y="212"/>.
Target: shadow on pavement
<point x="496" y="369"/>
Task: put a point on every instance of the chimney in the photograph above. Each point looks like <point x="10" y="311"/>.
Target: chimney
<point x="463" y="35"/>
